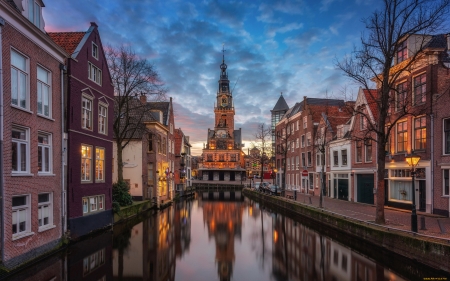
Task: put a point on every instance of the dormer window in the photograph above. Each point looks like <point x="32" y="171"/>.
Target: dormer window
<point x="402" y="52"/>
<point x="34" y="13"/>
<point x="94" y="50"/>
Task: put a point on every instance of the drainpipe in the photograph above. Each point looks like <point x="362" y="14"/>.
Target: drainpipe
<point x="432" y="158"/>
<point x="2" y="228"/>
<point x="62" y="68"/>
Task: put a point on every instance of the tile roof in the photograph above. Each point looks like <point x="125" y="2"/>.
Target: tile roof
<point x="68" y="40"/>
<point x="371" y="97"/>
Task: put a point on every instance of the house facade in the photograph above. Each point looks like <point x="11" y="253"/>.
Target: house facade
<point x="183" y="169"/>
<point x="31" y="93"/>
<point x="89" y="103"/>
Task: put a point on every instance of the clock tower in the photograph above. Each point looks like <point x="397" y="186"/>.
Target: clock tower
<point x="222" y="154"/>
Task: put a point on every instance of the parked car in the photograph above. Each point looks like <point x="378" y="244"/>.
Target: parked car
<point x="274" y="189"/>
<point x="260" y="186"/>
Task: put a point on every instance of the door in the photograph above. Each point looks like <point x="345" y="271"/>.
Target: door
<point x="422" y="196"/>
<point x="343" y="189"/>
<point x="221" y="175"/>
<point x="365" y="188"/>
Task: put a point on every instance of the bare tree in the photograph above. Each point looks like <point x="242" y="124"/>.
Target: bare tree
<point x="397" y="22"/>
<point x="133" y="78"/>
<point x="263" y="143"/>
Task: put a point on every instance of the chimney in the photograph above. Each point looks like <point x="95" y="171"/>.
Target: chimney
<point x="143" y="98"/>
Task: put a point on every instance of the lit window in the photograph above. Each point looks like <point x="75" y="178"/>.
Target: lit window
<point x="99" y="164"/>
<point x="20" y="150"/>
<point x="401" y="96"/>
<point x="86" y="163"/>
<point x="402" y="52"/>
<point x="402" y="136"/>
<point x="45" y="210"/>
<point x="86" y="115"/>
<point x="44" y="153"/>
<point x="420" y="133"/>
<point x="102" y="119"/>
<point x="20" y="215"/>
<point x="43" y="92"/>
<point x="19" y="80"/>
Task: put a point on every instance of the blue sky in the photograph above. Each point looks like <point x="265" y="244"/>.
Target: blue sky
<point x="288" y="46"/>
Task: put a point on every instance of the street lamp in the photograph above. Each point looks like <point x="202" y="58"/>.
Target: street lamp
<point x="413" y="160"/>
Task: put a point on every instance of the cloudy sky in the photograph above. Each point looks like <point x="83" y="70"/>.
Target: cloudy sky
<point x="288" y="46"/>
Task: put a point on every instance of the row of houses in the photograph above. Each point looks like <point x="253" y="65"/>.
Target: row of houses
<point x="418" y="122"/>
<point x="57" y="144"/>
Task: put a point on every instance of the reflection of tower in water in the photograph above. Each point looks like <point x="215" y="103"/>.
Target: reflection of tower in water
<point x="224" y="221"/>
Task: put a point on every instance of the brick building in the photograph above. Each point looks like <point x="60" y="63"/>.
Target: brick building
<point x="183" y="169"/>
<point x="31" y="127"/>
<point x="89" y="103"/>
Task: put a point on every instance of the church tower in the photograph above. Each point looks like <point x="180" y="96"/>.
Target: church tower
<point x="222" y="155"/>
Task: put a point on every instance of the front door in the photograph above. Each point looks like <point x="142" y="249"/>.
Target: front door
<point x="422" y="196"/>
<point x="365" y="188"/>
<point x="343" y="189"/>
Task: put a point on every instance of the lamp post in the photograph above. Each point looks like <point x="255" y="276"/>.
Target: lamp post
<point x="412" y="160"/>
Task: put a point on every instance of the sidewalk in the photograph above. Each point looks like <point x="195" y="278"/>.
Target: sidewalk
<point x="395" y="218"/>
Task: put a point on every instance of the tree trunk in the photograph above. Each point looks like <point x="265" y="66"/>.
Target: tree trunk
<point x="119" y="163"/>
<point x="379" y="198"/>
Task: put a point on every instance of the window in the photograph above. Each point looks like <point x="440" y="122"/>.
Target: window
<point x="303" y="140"/>
<point x="94" y="50"/>
<point x="309" y="158"/>
<point x="368" y="152"/>
<point x="420" y="89"/>
<point x="318" y="160"/>
<point x="303" y="160"/>
<point x="447" y="136"/>
<point x="94" y="74"/>
<point x="363" y="119"/>
<point x="44" y="153"/>
<point x="293" y="163"/>
<point x="297" y="143"/>
<point x="358" y="151"/>
<point x="45" y="210"/>
<point x="20" y="215"/>
<point x="344" y="157"/>
<point x="99" y="164"/>
<point x="86" y="114"/>
<point x="401" y="96"/>
<point x="288" y="164"/>
<point x="387" y="148"/>
<point x="402" y="136"/>
<point x="19" y="80"/>
<point x="93" y="204"/>
<point x="292" y="128"/>
<point x="43" y="92"/>
<point x="420" y="133"/>
<point x="102" y="119"/>
<point x="94" y="261"/>
<point x="335" y="158"/>
<point x="308" y="138"/>
<point x="150" y="142"/>
<point x="34" y="12"/>
<point x="171" y="128"/>
<point x="402" y="52"/>
<point x="20" y="150"/>
<point x="446" y="182"/>
<point x="292" y="146"/>
<point x="86" y="163"/>
<point x="297" y="162"/>
<point x="305" y="122"/>
<point x="297" y="125"/>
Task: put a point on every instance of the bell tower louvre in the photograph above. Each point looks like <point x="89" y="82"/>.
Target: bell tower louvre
<point x="222" y="154"/>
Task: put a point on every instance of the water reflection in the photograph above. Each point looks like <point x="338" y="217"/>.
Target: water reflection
<point x="218" y="236"/>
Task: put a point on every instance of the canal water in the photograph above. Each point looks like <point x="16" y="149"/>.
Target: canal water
<point x="223" y="236"/>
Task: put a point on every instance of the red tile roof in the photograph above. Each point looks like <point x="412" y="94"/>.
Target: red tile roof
<point x="371" y="97"/>
<point x="68" y="40"/>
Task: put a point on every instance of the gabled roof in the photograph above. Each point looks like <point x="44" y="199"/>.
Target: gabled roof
<point x="281" y="104"/>
<point x="317" y="106"/>
<point x="371" y="98"/>
<point x="68" y="40"/>
<point x="164" y="106"/>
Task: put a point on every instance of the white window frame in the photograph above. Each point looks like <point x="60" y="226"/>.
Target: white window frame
<point x="305" y="122"/>
<point x="46" y="164"/>
<point x="102" y="119"/>
<point x="16" y="210"/>
<point x="94" y="73"/>
<point x="43" y="86"/>
<point x="303" y="141"/>
<point x="93" y="204"/>
<point x="297" y="125"/>
<point x="94" y="51"/>
<point x="288" y="164"/>
<point x="346" y="157"/>
<point x="34" y="12"/>
<point x="308" y="139"/>
<point x="84" y="158"/>
<point x="25" y="74"/>
<point x="49" y="205"/>
<point x="19" y="152"/>
<point x="335" y="158"/>
<point x="292" y="146"/>
<point x="298" y="142"/>
<point x="86" y="112"/>
<point x="297" y="162"/>
<point x="293" y="163"/>
<point x="99" y="173"/>
<point x="446" y="181"/>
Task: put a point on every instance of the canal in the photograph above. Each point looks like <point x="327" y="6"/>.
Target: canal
<point x="222" y="237"/>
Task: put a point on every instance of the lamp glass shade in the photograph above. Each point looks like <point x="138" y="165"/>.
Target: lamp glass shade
<point x="412" y="160"/>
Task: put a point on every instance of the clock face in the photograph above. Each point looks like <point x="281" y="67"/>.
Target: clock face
<point x="224" y="101"/>
<point x="221" y="134"/>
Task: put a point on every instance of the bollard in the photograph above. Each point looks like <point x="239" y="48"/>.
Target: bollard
<point x="422" y="223"/>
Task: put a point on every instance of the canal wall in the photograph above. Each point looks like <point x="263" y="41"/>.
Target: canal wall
<point x="431" y="252"/>
<point x="131" y="211"/>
